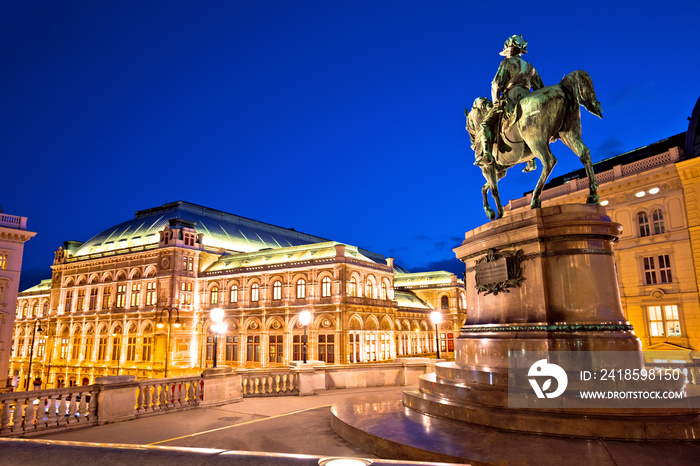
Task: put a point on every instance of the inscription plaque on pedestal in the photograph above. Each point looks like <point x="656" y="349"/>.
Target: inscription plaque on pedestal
<point x="491" y="272"/>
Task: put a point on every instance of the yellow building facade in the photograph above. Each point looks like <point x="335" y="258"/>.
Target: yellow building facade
<point x="654" y="193"/>
<point x="136" y="299"/>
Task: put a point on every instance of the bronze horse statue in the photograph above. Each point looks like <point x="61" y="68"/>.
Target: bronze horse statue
<point x="543" y="116"/>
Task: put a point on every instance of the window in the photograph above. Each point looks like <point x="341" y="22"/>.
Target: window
<point x="210" y="347"/>
<point x="276" y="348"/>
<point x="116" y="347"/>
<point x="121" y="296"/>
<point x="75" y="354"/>
<point x="326" y="348"/>
<point x="107" y="297"/>
<point x="664" y="321"/>
<point x="234" y="294"/>
<point x="383" y="291"/>
<point x="325" y="287"/>
<point x="89" y="345"/>
<point x="277" y="290"/>
<point x="2" y="293"/>
<point x="301" y="289"/>
<point x="151" y="294"/>
<point x="215" y="294"/>
<point x="231" y="348"/>
<point x="664" y="271"/>
<point x="64" y="348"/>
<point x="69" y="301"/>
<point x="81" y="300"/>
<point x="186" y="293"/>
<point x="147" y="349"/>
<point x="131" y="349"/>
<point x="368" y="289"/>
<point x="352" y="287"/>
<point x="658" y="218"/>
<point x="296" y="348"/>
<point x="253" y="348"/>
<point x="255" y="292"/>
<point x="35" y="310"/>
<point x="188" y="264"/>
<point x="444" y="302"/>
<point x="643" y="222"/>
<point x="102" y="348"/>
<point x="41" y="348"/>
<point x="136" y="295"/>
<point x="92" y="305"/>
<point x="3" y="261"/>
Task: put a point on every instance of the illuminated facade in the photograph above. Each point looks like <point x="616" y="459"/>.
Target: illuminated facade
<point x="654" y="193"/>
<point x="136" y="298"/>
<point x="13" y="235"/>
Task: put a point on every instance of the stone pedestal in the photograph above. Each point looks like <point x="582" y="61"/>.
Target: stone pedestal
<point x="542" y="280"/>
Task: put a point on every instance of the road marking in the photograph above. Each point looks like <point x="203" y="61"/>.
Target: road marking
<point x="241" y="424"/>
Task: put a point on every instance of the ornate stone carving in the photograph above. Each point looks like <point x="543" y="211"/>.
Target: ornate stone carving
<point x="498" y="271"/>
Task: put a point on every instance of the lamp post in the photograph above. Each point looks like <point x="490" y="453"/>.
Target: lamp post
<point x="31" y="352"/>
<point x="304" y="318"/>
<point x="217" y="316"/>
<point x="160" y="324"/>
<point x="436" y="318"/>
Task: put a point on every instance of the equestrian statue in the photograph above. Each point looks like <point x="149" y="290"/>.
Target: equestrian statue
<point x="518" y="125"/>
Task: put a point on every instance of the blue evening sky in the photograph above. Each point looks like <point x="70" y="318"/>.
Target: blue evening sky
<point x="342" y="119"/>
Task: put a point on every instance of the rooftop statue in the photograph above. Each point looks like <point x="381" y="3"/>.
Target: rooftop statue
<point x="523" y="123"/>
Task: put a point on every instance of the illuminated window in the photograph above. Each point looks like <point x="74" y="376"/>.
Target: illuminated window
<point x="277" y="290"/>
<point x="121" y="296"/>
<point x="352" y="287"/>
<point x="301" y="289"/>
<point x="276" y="346"/>
<point x="136" y="295"/>
<point x="215" y="294"/>
<point x="368" y="289"/>
<point x="3" y="261"/>
<point x="107" y="297"/>
<point x="326" y="348"/>
<point x="188" y="264"/>
<point x="231" y="348"/>
<point x="658" y="218"/>
<point x="89" y="345"/>
<point x="75" y="354"/>
<point x="45" y="311"/>
<point x="325" y="287"/>
<point x="253" y="348"/>
<point x="116" y="346"/>
<point x="102" y="348"/>
<point x="151" y="294"/>
<point x="41" y="349"/>
<point x="664" y="322"/>
<point x="383" y="291"/>
<point x="643" y="223"/>
<point x="444" y="302"/>
<point x="92" y="305"/>
<point x="255" y="292"/>
<point x="63" y="353"/>
<point x="234" y="294"/>
<point x="35" y="310"/>
<point x="186" y="297"/>
<point x="147" y="349"/>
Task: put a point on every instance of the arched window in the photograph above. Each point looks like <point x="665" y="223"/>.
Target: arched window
<point x="658" y="218"/>
<point x="35" y="310"/>
<point x="643" y="222"/>
<point x="46" y="309"/>
<point x="384" y="290"/>
<point x="444" y="303"/>
<point x="325" y="287"/>
<point x="215" y="294"/>
<point x="352" y="287"/>
<point x="277" y="290"/>
<point x="234" y="294"/>
<point x="301" y="289"/>
<point x="368" y="289"/>
<point x="255" y="292"/>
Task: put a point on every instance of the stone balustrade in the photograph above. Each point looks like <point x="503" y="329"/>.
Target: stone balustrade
<point x="269" y="382"/>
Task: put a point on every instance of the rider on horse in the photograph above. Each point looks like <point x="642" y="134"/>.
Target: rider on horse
<point x="513" y="81"/>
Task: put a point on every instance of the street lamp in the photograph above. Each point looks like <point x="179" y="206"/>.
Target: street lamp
<point x="305" y="319"/>
<point x="217" y="315"/>
<point x="436" y="318"/>
<point x="160" y="324"/>
<point x="31" y="352"/>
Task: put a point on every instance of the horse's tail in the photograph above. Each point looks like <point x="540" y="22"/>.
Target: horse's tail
<point x="579" y="84"/>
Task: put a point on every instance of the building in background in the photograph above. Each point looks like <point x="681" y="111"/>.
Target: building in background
<point x="136" y="299"/>
<point x="654" y="193"/>
<point x="13" y="235"/>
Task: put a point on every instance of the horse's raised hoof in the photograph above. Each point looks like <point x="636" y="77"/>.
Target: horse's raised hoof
<point x="490" y="214"/>
<point x="592" y="199"/>
<point x="536" y="204"/>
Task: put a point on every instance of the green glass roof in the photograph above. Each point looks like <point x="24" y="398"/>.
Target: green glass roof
<point x="408" y="300"/>
<point x="424" y="279"/>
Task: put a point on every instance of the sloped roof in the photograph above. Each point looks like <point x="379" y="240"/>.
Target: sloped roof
<point x="44" y="285"/>
<point x="220" y="229"/>
<point x="408" y="300"/>
<point x="440" y="277"/>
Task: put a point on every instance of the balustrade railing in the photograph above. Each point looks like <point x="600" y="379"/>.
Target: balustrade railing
<point x="38" y="410"/>
<point x="154" y="396"/>
<point x="281" y="382"/>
